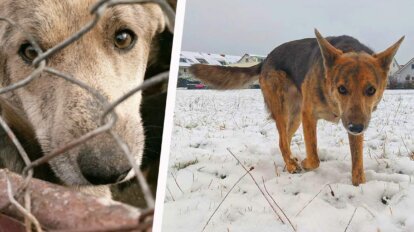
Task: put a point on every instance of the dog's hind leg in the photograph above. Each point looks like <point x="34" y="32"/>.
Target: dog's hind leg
<point x="309" y="123"/>
<point x="284" y="102"/>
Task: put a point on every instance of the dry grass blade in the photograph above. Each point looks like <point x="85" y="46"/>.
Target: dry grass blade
<point x="176" y="183"/>
<point x="271" y="197"/>
<point x="307" y="204"/>
<point x="225" y="197"/>
<point x="350" y="220"/>
<point x="257" y="184"/>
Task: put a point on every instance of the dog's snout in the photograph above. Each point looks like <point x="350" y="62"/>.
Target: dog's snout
<point x="355" y="128"/>
<point x="103" y="168"/>
<point x="110" y="177"/>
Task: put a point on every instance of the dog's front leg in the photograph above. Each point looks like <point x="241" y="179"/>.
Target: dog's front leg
<point x="355" y="142"/>
<point x="309" y="130"/>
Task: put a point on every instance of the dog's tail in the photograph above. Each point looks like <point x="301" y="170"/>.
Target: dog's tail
<point x="221" y="77"/>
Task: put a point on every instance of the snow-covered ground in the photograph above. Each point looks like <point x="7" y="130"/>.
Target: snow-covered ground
<point x="202" y="171"/>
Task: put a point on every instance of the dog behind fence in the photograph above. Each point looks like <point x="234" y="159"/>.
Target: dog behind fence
<point x="108" y="117"/>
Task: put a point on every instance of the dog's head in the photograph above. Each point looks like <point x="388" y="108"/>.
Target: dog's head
<point x="110" y="58"/>
<point x="356" y="81"/>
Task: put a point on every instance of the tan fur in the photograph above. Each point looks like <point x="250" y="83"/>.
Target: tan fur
<point x="53" y="112"/>
<point x="316" y="98"/>
<point x="283" y="100"/>
<point x="225" y="77"/>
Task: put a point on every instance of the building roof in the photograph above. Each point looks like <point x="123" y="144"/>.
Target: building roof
<point x="189" y="58"/>
<point x="254" y="55"/>
<point x="250" y="55"/>
<point x="408" y="64"/>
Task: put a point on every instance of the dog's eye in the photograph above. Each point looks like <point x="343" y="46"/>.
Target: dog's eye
<point x="27" y="52"/>
<point x="124" y="39"/>
<point x="370" y="91"/>
<point x="342" y="90"/>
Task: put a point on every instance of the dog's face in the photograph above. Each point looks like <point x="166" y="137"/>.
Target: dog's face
<point x="111" y="58"/>
<point x="356" y="82"/>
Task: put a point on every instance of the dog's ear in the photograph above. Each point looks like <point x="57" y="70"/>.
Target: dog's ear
<point x="385" y="58"/>
<point x="329" y="53"/>
<point x="169" y="9"/>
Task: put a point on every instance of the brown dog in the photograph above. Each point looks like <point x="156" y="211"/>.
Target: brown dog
<point x="336" y="78"/>
<point x="50" y="112"/>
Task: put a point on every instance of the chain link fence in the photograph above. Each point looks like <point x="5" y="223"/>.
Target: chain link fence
<point x="26" y="188"/>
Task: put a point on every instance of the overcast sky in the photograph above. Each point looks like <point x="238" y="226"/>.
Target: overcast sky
<point x="236" y="27"/>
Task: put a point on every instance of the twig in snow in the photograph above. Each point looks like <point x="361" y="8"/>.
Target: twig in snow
<point x="225" y="197"/>
<point x="332" y="192"/>
<point x="350" y="220"/>
<point x="271" y="197"/>
<point x="396" y="112"/>
<point x="175" y="180"/>
<point x="172" y="197"/>
<point x="210" y="183"/>
<point x="257" y="184"/>
<point x="406" y="147"/>
<point x="384" y="155"/>
<point x="368" y="210"/>
<point x="276" y="171"/>
<point x="311" y="200"/>
<point x="375" y="157"/>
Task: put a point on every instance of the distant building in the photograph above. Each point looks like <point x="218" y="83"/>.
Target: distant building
<point x="394" y="67"/>
<point x="404" y="77"/>
<point x="251" y="59"/>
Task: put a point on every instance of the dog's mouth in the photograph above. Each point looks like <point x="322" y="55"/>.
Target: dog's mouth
<point x="128" y="176"/>
<point x="355" y="133"/>
<point x="355" y="128"/>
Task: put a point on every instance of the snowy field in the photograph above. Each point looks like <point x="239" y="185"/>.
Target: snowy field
<point x="202" y="170"/>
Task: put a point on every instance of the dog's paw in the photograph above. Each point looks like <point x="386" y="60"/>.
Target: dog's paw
<point x="292" y="166"/>
<point x="309" y="165"/>
<point x="358" y="179"/>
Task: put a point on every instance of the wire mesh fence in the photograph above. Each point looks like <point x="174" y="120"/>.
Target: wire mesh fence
<point x="24" y="187"/>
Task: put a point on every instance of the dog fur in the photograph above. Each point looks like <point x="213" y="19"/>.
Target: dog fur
<point x="337" y="78"/>
<point x="50" y="112"/>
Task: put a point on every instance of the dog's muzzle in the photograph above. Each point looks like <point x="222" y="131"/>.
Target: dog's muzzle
<point x="355" y="129"/>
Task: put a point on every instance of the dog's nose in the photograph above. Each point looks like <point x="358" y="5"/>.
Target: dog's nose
<point x="108" y="177"/>
<point x="355" y="128"/>
<point x="105" y="165"/>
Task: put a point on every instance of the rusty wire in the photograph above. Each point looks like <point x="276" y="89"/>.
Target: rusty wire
<point x="108" y="118"/>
